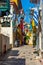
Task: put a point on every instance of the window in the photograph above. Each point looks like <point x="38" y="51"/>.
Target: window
<point x="4" y="7"/>
<point x="2" y="3"/>
<point x="35" y="1"/>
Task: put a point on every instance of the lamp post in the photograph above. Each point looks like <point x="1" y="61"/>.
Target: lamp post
<point x="40" y="37"/>
<point x="40" y="29"/>
<point x="0" y="25"/>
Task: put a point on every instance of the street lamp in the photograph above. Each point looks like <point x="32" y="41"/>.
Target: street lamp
<point x="40" y="29"/>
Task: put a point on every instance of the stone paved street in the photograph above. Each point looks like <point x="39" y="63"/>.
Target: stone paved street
<point x="20" y="56"/>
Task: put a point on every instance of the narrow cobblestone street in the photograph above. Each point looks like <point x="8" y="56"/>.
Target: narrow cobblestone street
<point x="20" y="56"/>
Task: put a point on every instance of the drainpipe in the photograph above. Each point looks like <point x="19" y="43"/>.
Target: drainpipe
<point x="0" y="39"/>
<point x="0" y="25"/>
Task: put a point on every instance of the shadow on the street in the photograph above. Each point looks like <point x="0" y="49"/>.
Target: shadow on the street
<point x="14" y="53"/>
<point x="15" y="61"/>
<point x="42" y="54"/>
<point x="36" y="52"/>
<point x="10" y="58"/>
<point x="9" y="53"/>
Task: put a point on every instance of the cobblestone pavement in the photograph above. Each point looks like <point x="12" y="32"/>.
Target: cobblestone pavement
<point x="20" y="56"/>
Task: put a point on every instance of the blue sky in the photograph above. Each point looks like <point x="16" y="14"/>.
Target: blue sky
<point x="26" y="5"/>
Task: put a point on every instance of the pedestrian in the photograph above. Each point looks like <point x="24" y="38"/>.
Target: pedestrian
<point x="22" y="28"/>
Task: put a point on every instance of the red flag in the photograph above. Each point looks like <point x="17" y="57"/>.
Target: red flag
<point x="21" y="24"/>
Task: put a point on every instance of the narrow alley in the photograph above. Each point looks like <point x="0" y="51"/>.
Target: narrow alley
<point x="20" y="56"/>
<point x="21" y="32"/>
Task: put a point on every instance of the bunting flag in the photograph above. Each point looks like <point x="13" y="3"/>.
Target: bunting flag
<point x="18" y="3"/>
<point x="35" y="1"/>
<point x="35" y="16"/>
<point x="15" y="1"/>
<point x="33" y="23"/>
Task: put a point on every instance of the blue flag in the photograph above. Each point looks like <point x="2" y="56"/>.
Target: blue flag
<point x="36" y="16"/>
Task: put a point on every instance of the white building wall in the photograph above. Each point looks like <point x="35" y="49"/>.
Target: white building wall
<point x="7" y="31"/>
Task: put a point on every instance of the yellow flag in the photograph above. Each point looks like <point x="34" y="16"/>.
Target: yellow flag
<point x="33" y="23"/>
<point x="16" y="1"/>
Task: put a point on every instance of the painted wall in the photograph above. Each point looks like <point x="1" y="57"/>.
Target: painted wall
<point x="8" y="31"/>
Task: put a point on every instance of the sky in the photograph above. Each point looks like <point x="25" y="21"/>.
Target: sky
<point x="26" y="5"/>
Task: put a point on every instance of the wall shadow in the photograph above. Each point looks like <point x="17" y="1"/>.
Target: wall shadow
<point x="15" y="61"/>
<point x="10" y="58"/>
<point x="14" y="53"/>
